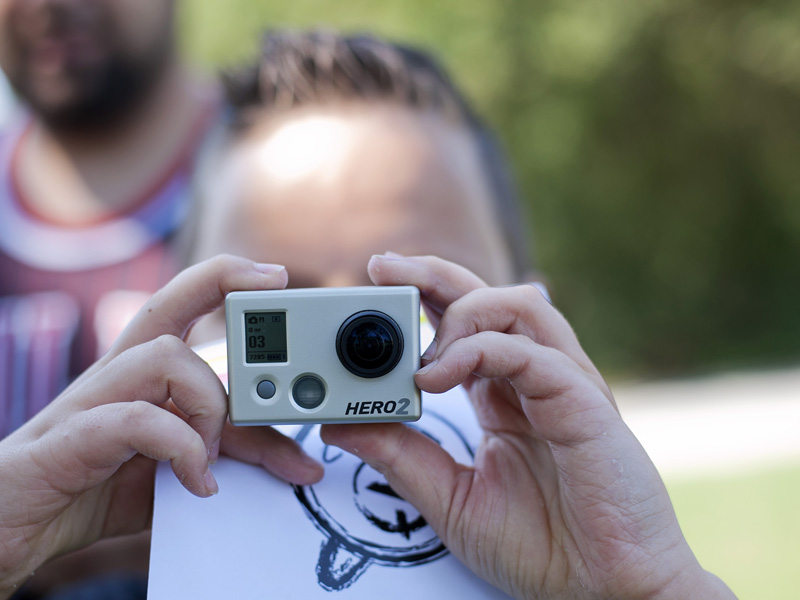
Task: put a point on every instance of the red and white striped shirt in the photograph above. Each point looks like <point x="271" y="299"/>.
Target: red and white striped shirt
<point x="65" y="291"/>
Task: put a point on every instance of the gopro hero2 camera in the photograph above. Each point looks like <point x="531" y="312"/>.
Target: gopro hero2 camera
<point x="323" y="355"/>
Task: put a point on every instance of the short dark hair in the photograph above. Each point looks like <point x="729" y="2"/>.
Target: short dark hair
<point x="296" y="68"/>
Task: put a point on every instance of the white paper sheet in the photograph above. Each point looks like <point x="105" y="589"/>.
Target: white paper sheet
<point x="344" y="538"/>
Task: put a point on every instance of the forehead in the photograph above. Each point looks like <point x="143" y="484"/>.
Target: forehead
<point x="336" y="185"/>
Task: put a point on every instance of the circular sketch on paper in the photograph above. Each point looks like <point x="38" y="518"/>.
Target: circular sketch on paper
<point x="363" y="519"/>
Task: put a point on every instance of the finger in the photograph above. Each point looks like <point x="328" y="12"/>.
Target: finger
<point x="195" y="292"/>
<point x="519" y="310"/>
<point x="415" y="466"/>
<point x="440" y="282"/>
<point x="270" y="449"/>
<point x="156" y="372"/>
<point x="561" y="402"/>
<point x="91" y="444"/>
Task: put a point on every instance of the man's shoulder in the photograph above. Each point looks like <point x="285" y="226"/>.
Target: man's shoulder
<point x="12" y="126"/>
<point x="8" y="101"/>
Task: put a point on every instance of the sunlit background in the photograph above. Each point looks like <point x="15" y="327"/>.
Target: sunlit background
<point x="657" y="149"/>
<point x="656" y="145"/>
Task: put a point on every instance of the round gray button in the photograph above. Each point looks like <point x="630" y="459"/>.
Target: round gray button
<point x="308" y="391"/>
<point x="265" y="389"/>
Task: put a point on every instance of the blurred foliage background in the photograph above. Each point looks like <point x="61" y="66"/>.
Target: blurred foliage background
<point x="656" y="145"/>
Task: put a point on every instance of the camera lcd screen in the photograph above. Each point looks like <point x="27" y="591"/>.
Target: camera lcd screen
<point x="265" y="337"/>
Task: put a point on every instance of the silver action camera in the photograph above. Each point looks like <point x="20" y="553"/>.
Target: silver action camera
<point x="323" y="355"/>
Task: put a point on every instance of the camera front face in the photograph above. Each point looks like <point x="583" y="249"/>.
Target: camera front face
<point x="326" y="355"/>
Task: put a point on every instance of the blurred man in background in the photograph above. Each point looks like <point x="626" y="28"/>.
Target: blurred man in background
<point x="94" y="189"/>
<point x="93" y="181"/>
<point x="7" y="100"/>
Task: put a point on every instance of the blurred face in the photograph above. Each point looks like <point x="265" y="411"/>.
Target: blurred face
<point x="322" y="190"/>
<point x="80" y="63"/>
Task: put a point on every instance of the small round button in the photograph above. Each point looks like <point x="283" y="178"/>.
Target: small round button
<point x="265" y="389"/>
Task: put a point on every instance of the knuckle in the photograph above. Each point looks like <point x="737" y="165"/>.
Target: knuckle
<point x="224" y="264"/>
<point x="166" y="347"/>
<point x="220" y="262"/>
<point x="530" y="294"/>
<point x="137" y="411"/>
<point x="482" y="309"/>
<point x="526" y="303"/>
<point x="430" y="261"/>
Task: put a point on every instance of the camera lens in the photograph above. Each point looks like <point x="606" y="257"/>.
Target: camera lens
<point x="369" y="344"/>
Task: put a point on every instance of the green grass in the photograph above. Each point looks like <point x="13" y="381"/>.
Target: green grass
<point x="746" y="530"/>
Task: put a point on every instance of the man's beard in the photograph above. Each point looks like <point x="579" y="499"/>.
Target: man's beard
<point x="89" y="90"/>
<point x="103" y="98"/>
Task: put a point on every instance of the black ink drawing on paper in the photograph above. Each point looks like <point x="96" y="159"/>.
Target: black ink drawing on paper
<point x="362" y="518"/>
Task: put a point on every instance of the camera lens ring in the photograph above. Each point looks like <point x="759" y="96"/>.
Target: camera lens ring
<point x="369" y="344"/>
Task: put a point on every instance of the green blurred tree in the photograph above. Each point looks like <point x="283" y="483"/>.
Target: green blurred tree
<point x="656" y="146"/>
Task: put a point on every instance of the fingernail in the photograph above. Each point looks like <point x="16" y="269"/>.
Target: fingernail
<point x="388" y="256"/>
<point x="211" y="483"/>
<point x="391" y="254"/>
<point x="427" y="367"/>
<point x="213" y="452"/>
<point x="431" y="351"/>
<point x="268" y="268"/>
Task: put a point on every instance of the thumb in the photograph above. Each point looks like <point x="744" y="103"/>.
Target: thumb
<point x="416" y="467"/>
